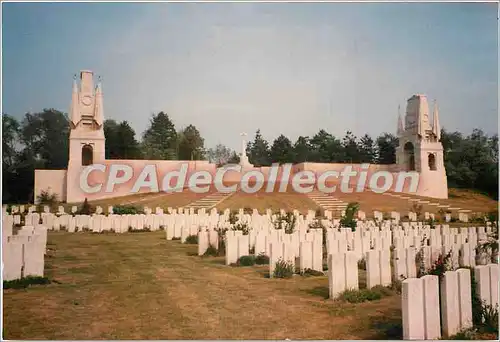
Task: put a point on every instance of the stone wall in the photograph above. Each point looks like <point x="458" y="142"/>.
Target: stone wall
<point x="67" y="184"/>
<point x="53" y="181"/>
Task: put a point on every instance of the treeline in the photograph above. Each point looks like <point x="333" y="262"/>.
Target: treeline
<point x="40" y="141"/>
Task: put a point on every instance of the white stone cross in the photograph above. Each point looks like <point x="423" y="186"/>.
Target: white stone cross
<point x="243" y="144"/>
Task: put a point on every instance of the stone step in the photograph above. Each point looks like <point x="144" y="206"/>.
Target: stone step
<point x="328" y="201"/>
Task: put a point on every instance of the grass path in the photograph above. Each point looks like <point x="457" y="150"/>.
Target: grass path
<point x="140" y="286"/>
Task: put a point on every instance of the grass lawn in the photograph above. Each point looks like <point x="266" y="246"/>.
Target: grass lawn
<point x="140" y="286"/>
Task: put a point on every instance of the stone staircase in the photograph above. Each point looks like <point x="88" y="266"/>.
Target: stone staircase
<point x="327" y="202"/>
<point x="209" y="201"/>
<point x="428" y="202"/>
<point x="147" y="197"/>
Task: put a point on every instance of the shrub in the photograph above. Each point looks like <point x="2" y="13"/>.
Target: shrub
<point x="283" y="269"/>
<point x="490" y="318"/>
<point x="86" y="208"/>
<point x="241" y="227"/>
<point x="312" y="273"/>
<point x="439" y="267"/>
<point x="233" y="218"/>
<point x="478" y="219"/>
<point x="442" y="215"/>
<point x="246" y="260"/>
<point x="493" y="216"/>
<point x="363" y="295"/>
<point x="396" y="286"/>
<point x="417" y="209"/>
<point x="25" y="282"/>
<point x="490" y="245"/>
<point x="211" y="251"/>
<point x="126" y="210"/>
<point x="319" y="213"/>
<point x="192" y="239"/>
<point x="348" y="220"/>
<point x="465" y="335"/>
<point x="132" y="230"/>
<point x="286" y="222"/>
<point x="47" y="198"/>
<point x="222" y="247"/>
<point x="262" y="259"/>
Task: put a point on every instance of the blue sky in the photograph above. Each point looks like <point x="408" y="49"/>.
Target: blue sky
<point x="284" y="68"/>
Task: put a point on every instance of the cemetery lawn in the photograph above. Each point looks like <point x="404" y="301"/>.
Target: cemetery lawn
<point x="141" y="286"/>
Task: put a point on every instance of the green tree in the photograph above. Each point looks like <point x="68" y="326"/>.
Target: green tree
<point x="190" y="144"/>
<point x="42" y="141"/>
<point x="10" y="138"/>
<point x="220" y="155"/>
<point x="367" y="150"/>
<point x="46" y="136"/>
<point x="258" y="151"/>
<point x="301" y="150"/>
<point x="319" y="147"/>
<point x="110" y="132"/>
<point x="120" y="141"/>
<point x="472" y="161"/>
<point x="281" y="150"/>
<point x="160" y="139"/>
<point x="350" y="145"/>
<point x="234" y="158"/>
<point x="386" y="145"/>
<point x="325" y="148"/>
<point x="128" y="146"/>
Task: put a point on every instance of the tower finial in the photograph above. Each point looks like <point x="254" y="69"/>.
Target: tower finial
<point x="99" y="108"/>
<point x="74" y="112"/>
<point x="436" y="129"/>
<point x="400" y="122"/>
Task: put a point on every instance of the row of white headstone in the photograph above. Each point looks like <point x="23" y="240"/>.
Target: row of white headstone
<point x="432" y="309"/>
<point x="23" y="253"/>
<point x="361" y="215"/>
<point x="407" y="240"/>
<point x="21" y="210"/>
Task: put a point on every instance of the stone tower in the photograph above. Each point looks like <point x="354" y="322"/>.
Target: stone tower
<point x="420" y="148"/>
<point x="86" y="139"/>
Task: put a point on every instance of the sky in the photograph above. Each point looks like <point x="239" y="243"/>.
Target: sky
<point x="283" y="68"/>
